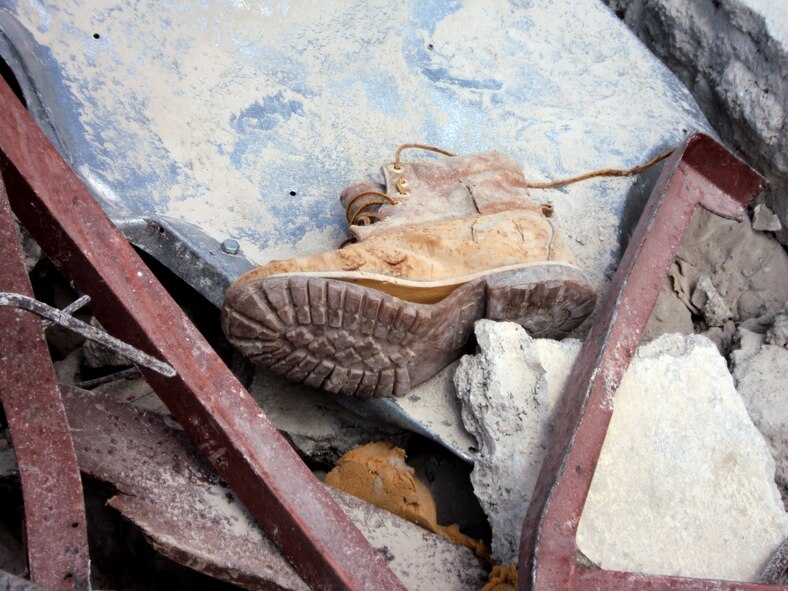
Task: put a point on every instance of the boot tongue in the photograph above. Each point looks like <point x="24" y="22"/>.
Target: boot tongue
<point x="440" y="189"/>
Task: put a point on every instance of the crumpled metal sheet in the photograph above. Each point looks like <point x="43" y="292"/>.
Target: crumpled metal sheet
<point x="226" y="118"/>
<point x="196" y="121"/>
<point x="192" y="517"/>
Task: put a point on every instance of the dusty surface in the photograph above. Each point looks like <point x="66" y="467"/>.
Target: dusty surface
<point x="684" y="484"/>
<point x="429" y="409"/>
<point x="186" y="110"/>
<point x="377" y="473"/>
<point x="746" y="273"/>
<point x="189" y="515"/>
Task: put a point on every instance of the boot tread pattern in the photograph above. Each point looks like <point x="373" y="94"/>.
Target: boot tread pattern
<point x="358" y="341"/>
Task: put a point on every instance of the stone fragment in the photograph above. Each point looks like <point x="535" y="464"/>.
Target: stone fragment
<point x="765" y="220"/>
<point x="670" y="315"/>
<point x="761" y="374"/>
<point x="778" y="333"/>
<point x="684" y="484"/>
<point x="715" y="311"/>
<point x="316" y="425"/>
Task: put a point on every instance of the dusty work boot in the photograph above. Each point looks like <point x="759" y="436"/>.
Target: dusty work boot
<point x="439" y="245"/>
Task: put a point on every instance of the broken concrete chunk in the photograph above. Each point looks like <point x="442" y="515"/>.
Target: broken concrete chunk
<point x="778" y="333"/>
<point x="506" y="395"/>
<point x="670" y="315"/>
<point x="316" y="425"/>
<point x="191" y="516"/>
<point x="761" y="374"/>
<point x="684" y="484"/>
<point x="715" y="311"/>
<point x="765" y="220"/>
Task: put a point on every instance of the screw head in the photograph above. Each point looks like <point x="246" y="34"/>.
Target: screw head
<point x="231" y="246"/>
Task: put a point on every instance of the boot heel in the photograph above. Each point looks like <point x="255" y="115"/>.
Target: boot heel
<point x="549" y="300"/>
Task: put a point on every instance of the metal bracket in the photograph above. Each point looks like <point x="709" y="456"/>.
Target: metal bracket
<point x="699" y="173"/>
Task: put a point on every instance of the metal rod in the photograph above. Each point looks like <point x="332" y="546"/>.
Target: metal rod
<point x="701" y="172"/>
<point x="70" y="309"/>
<point x="83" y="329"/>
<point x="118" y="375"/>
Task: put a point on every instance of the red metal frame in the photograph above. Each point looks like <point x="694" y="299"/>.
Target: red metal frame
<point x="214" y="409"/>
<point x="700" y="172"/>
<point x="55" y="524"/>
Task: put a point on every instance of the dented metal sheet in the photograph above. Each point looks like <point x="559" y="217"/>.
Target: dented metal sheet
<point x="191" y="516"/>
<point x="194" y="121"/>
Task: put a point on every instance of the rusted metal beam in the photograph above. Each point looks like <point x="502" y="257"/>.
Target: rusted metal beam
<point x="699" y="173"/>
<point x="55" y="524"/>
<point x="212" y="406"/>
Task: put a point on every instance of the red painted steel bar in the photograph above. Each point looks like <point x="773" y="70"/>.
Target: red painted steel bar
<point x="55" y="524"/>
<point x="212" y="406"/>
<point x="700" y="172"/>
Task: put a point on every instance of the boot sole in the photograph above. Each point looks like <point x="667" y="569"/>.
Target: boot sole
<point x="358" y="341"/>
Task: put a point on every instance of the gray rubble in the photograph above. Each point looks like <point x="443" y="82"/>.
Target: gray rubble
<point x="684" y="484"/>
<point x="748" y="270"/>
<point x="732" y="55"/>
<point x="761" y="374"/>
<point x="711" y="304"/>
<point x="765" y="220"/>
<point x="778" y="332"/>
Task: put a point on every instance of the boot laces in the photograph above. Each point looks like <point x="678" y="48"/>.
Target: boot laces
<point x="359" y="216"/>
<point x="356" y="214"/>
